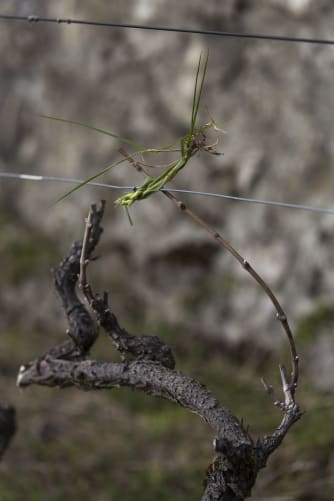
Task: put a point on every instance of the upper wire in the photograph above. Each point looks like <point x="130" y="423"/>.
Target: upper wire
<point x="34" y="177"/>
<point x="254" y="36"/>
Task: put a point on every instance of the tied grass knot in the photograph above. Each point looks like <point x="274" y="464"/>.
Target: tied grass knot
<point x="142" y="192"/>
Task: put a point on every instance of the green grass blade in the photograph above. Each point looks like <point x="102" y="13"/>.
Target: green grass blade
<point x="158" y="182"/>
<point x="198" y="92"/>
<point x="96" y="129"/>
<point x="88" y="180"/>
<point x="193" y="116"/>
<point x="128" y="215"/>
<point x="139" y="147"/>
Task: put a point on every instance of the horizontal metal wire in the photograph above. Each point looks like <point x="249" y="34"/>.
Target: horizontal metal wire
<point x="287" y="205"/>
<point x="254" y="36"/>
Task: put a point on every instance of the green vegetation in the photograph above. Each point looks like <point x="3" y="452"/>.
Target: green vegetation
<point x="189" y="144"/>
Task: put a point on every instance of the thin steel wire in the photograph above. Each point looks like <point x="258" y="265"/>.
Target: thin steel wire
<point x="253" y="36"/>
<point x="287" y="205"/>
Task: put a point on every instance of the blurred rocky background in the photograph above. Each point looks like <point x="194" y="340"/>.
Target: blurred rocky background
<point x="165" y="275"/>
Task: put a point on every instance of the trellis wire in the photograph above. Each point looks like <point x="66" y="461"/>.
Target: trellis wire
<point x="287" y="205"/>
<point x="253" y="36"/>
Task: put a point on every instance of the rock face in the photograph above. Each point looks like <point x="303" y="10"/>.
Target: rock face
<point x="273" y="99"/>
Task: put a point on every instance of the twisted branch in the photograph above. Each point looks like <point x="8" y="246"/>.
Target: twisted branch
<point x="148" y="366"/>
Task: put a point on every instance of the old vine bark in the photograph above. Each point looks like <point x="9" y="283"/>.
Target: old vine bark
<point x="148" y="365"/>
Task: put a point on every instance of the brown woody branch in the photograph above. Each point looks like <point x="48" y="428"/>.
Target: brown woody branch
<point x="139" y="347"/>
<point x="280" y="314"/>
<point x="150" y="369"/>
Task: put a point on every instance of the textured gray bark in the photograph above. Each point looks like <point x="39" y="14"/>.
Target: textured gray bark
<point x="150" y="369"/>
